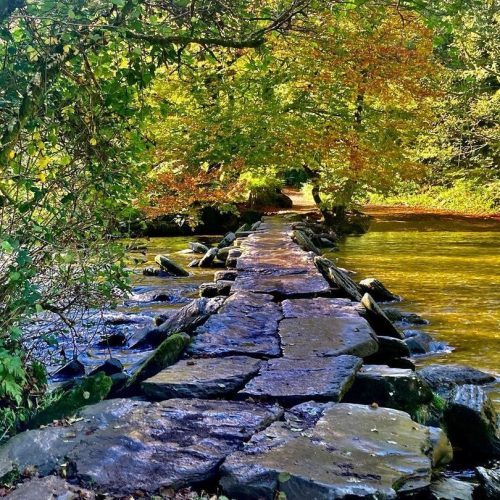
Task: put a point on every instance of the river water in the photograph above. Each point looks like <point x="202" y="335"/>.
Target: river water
<point x="447" y="269"/>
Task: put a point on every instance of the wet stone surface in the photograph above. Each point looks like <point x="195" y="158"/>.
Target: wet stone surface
<point x="351" y="451"/>
<point x="321" y="306"/>
<point x="326" y="336"/>
<point x="202" y="378"/>
<point x="290" y="381"/>
<point x="121" y="446"/>
<point x="247" y="324"/>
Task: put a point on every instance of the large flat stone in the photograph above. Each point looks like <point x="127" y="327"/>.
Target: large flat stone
<point x="202" y="378"/>
<point x="321" y="306"/>
<point x="121" y="446"/>
<point x="326" y="336"/>
<point x="309" y="284"/>
<point x="247" y="324"/>
<point x="352" y="451"/>
<point x="291" y="381"/>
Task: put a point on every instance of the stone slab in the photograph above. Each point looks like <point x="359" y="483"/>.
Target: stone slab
<point x="247" y="324"/>
<point x="202" y="378"/>
<point x="326" y="336"/>
<point x="284" y="286"/>
<point x="352" y="451"/>
<point x="121" y="446"/>
<point x="290" y="381"/>
<point x="320" y="306"/>
<point x="49" y="488"/>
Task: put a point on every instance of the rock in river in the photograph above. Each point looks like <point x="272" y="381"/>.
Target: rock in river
<point x="389" y="387"/>
<point x="121" y="446"/>
<point x="202" y="378"/>
<point x="352" y="451"/>
<point x="170" y="266"/>
<point x="472" y="422"/>
<point x="443" y="378"/>
<point x="377" y="290"/>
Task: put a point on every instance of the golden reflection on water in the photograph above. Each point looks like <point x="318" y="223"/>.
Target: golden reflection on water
<point x="447" y="270"/>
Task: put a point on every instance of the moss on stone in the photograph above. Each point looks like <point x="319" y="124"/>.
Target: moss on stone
<point x="90" y="390"/>
<point x="166" y="354"/>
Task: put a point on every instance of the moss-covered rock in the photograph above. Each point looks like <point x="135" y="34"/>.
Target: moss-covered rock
<point x="90" y="390"/>
<point x="166" y="354"/>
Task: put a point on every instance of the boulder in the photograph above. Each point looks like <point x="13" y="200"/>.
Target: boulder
<point x="198" y="247"/>
<point x="472" y="422"/>
<point x="202" y="378"/>
<point x="89" y="390"/>
<point x="124" y="448"/>
<point x="255" y="226"/>
<point x="422" y="343"/>
<point x="293" y="381"/>
<point x="448" y="488"/>
<point x="225" y="275"/>
<point x="377" y="319"/>
<point x="223" y="253"/>
<point x="489" y="483"/>
<point x="110" y="367"/>
<point x="185" y="319"/>
<point x="72" y="369"/>
<point x="396" y="388"/>
<point x="227" y="240"/>
<point x="301" y="238"/>
<point x="115" y="339"/>
<point x="194" y="263"/>
<point x="166" y="354"/>
<point x="232" y="257"/>
<point x="152" y="271"/>
<point x="170" y="266"/>
<point x="208" y="259"/>
<point x="377" y="290"/>
<point x="389" y="349"/>
<point x="398" y="316"/>
<point x="208" y="290"/>
<point x="49" y="488"/>
<point x="338" y="451"/>
<point x="338" y="278"/>
<point x="444" y="378"/>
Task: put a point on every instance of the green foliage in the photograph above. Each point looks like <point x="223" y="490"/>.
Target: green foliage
<point x="90" y="390"/>
<point x="463" y="196"/>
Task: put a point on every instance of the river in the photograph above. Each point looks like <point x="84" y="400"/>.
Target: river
<point x="447" y="269"/>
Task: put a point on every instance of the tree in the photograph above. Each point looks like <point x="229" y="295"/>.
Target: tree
<point x="72" y="155"/>
<point x="344" y="95"/>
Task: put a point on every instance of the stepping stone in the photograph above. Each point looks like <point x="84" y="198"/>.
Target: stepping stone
<point x="320" y="306"/>
<point x="290" y="381"/>
<point x="326" y="336"/>
<point x="352" y="451"/>
<point x="120" y="446"/>
<point x="284" y="286"/>
<point x="247" y="324"/>
<point x="395" y="388"/>
<point x="202" y="378"/>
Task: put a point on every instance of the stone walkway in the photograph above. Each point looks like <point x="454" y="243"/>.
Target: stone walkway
<point x="254" y="408"/>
